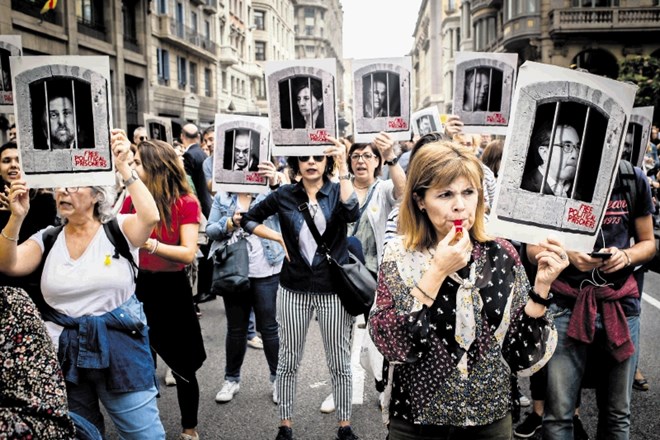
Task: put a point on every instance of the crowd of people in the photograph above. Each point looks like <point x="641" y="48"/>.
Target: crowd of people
<point x="458" y="314"/>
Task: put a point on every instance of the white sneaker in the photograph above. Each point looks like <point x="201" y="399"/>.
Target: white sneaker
<point x="276" y="397"/>
<point x="227" y="392"/>
<point x="328" y="405"/>
<point x="524" y="400"/>
<point x="170" y="381"/>
<point x="256" y="342"/>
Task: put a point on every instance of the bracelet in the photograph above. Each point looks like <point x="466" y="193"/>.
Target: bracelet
<point x="15" y="239"/>
<point x="424" y="293"/>
<point x="274" y="187"/>
<point x="346" y="176"/>
<point x="153" y="250"/>
<point x="538" y="299"/>
<point x="624" y="253"/>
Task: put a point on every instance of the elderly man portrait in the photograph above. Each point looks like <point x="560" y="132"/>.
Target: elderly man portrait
<point x="559" y="159"/>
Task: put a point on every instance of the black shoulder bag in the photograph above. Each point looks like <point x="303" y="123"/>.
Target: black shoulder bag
<point x="355" y="285"/>
<point x="231" y="264"/>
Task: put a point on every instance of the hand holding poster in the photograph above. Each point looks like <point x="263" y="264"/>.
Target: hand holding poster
<point x="561" y="155"/>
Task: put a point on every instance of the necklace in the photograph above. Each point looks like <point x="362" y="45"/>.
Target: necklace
<point x="360" y="187"/>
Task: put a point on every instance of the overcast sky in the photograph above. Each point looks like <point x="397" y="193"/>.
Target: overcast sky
<point x="379" y="28"/>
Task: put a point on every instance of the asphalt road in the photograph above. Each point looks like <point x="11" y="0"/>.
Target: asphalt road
<point x="253" y="415"/>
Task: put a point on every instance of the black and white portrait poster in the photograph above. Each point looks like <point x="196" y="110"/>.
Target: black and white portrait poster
<point x="10" y="46"/>
<point x="381" y="98"/>
<point x="561" y="155"/>
<point x="241" y="143"/>
<point x="158" y="127"/>
<point x="426" y="121"/>
<point x="483" y="87"/>
<point x="64" y="114"/>
<point x="302" y="103"/>
<point x="638" y="135"/>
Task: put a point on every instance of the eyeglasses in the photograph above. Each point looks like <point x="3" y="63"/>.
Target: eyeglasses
<point x="567" y="147"/>
<point x="68" y="189"/>
<point x="365" y="156"/>
<point x="307" y="158"/>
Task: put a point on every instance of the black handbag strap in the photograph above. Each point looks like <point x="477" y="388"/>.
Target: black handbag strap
<point x="364" y="207"/>
<point x="304" y="208"/>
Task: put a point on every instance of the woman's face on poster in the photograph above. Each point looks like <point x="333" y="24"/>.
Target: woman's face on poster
<point x="307" y="103"/>
<point x="476" y="92"/>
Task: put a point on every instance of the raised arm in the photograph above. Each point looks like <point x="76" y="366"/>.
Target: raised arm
<point x="18" y="260"/>
<point x="385" y="145"/>
<point x="137" y="227"/>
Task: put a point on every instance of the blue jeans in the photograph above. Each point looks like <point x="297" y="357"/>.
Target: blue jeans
<point x="261" y="297"/>
<point x="565" y="371"/>
<point x="134" y="413"/>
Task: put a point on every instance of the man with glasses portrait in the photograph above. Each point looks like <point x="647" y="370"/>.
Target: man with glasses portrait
<point x="559" y="160"/>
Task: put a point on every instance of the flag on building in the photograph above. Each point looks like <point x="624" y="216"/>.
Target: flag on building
<point x="49" y="6"/>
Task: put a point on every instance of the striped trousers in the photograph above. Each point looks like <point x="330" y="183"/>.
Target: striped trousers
<point x="294" y="312"/>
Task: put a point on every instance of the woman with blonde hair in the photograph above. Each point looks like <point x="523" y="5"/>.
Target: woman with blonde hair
<point x="162" y="283"/>
<point x="455" y="311"/>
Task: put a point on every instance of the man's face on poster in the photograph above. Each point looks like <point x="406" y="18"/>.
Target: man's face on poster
<point x="425" y="126"/>
<point x="61" y="122"/>
<point x="565" y="152"/>
<point x="241" y="151"/>
<point x="477" y="92"/>
<point x="380" y="96"/>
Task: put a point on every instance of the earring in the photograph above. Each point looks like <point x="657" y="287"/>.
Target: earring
<point x="423" y="210"/>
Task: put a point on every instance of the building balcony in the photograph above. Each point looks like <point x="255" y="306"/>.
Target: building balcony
<point x="186" y="38"/>
<point x="210" y="6"/>
<point x="197" y="2"/>
<point x="228" y="56"/>
<point x="519" y="29"/>
<point x="477" y="5"/>
<point x="252" y="69"/>
<point x="585" y="20"/>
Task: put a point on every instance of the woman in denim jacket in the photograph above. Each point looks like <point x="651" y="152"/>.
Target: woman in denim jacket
<point x="266" y="258"/>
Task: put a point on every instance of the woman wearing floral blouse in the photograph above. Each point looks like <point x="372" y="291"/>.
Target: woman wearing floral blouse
<point x="455" y="314"/>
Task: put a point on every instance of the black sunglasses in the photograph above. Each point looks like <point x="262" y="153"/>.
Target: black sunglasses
<point x="306" y="158"/>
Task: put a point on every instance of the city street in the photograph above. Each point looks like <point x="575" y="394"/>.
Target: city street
<point x="252" y="415"/>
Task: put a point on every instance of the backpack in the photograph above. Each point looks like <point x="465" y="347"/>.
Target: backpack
<point x="113" y="233"/>
<point x="626" y="184"/>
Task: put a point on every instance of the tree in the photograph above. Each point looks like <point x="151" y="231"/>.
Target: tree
<point x="643" y="71"/>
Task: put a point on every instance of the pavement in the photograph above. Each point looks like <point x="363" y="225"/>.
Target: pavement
<point x="252" y="415"/>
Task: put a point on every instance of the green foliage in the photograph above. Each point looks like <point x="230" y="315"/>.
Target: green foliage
<point x="645" y="73"/>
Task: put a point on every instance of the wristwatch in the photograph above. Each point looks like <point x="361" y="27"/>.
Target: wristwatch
<point x="392" y="162"/>
<point x="346" y="176"/>
<point x="132" y="179"/>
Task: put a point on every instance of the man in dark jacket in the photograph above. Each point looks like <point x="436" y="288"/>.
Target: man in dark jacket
<point x="193" y="160"/>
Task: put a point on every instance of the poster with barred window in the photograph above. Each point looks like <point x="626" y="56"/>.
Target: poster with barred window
<point x="64" y="114"/>
<point x="381" y="97"/>
<point x="561" y="155"/>
<point x="483" y="88"/>
<point x="241" y="143"/>
<point x="302" y="105"/>
<point x="10" y="46"/>
<point x="638" y="135"/>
